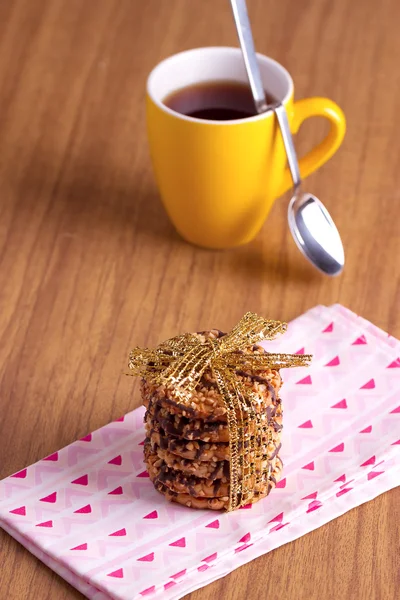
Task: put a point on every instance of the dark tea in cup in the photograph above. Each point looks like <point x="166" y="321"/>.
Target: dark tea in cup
<point x="214" y="101"/>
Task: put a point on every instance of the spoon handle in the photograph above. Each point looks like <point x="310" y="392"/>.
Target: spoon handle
<point x="281" y="115"/>
<point x="243" y="27"/>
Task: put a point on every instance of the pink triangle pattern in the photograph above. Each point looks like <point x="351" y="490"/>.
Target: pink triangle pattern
<point x="119" y="573"/>
<point x="277" y="519"/>
<point x="312" y="496"/>
<point x="80" y="547"/>
<point x="152" y="515"/>
<point x="370" y="385"/>
<point x="119" y="533"/>
<point x="52" y="457"/>
<point x="306" y="380"/>
<point x="370" y="461"/>
<point x="394" y="365"/>
<point x="169" y="584"/>
<point x="148" y="591"/>
<point x="84" y="480"/>
<point x="367" y="429"/>
<point x="45" y="524"/>
<point x="181" y="543"/>
<point x="338" y="448"/>
<point x="360" y="341"/>
<point x="343" y="491"/>
<point x="279" y="526"/>
<point x="374" y="474"/>
<point x="213" y="525"/>
<point x="245" y="546"/>
<point x="147" y="558"/>
<point x="342" y="479"/>
<point x="328" y="329"/>
<point x="341" y="404"/>
<point x="335" y="362"/>
<point x="143" y="474"/>
<point x="84" y="510"/>
<point x="19" y="511"/>
<point x="306" y="425"/>
<point x="117" y="492"/>
<point x="314" y="505"/>
<point x="310" y="466"/>
<point x="179" y="574"/>
<point x="50" y="498"/>
<point x="210" y="558"/>
<point x="20" y="474"/>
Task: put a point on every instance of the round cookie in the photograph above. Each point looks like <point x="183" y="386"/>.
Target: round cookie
<point x="214" y="503"/>
<point x="191" y="501"/>
<point x="183" y="427"/>
<point x="182" y="483"/>
<point x="206" y="402"/>
<point x="207" y="470"/>
<point x="199" y="450"/>
<point x="218" y="469"/>
<point x="192" y="450"/>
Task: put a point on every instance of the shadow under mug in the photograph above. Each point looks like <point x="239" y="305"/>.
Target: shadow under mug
<point x="219" y="179"/>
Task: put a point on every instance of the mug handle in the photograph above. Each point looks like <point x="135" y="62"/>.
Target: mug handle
<point x="315" y="158"/>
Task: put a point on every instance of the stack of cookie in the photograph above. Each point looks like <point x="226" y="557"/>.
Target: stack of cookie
<point x="187" y="446"/>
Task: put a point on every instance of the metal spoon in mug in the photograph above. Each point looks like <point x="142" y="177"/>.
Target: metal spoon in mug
<point x="310" y="223"/>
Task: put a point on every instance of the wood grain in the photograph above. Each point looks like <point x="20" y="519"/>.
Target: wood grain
<point x="89" y="264"/>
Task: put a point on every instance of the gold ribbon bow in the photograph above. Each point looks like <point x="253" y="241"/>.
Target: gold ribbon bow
<point x="179" y="364"/>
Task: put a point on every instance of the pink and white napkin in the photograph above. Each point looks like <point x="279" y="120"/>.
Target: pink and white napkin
<point x="92" y="515"/>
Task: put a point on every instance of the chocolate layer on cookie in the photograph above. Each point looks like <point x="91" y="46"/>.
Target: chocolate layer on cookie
<point x="213" y="503"/>
<point x="214" y="469"/>
<point x="180" y="482"/>
<point x="197" y="429"/>
<point x="199" y="450"/>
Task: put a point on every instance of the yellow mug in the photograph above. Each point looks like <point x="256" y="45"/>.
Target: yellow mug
<point x="219" y="179"/>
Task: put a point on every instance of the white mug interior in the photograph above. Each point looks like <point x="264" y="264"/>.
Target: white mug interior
<point x="214" y="64"/>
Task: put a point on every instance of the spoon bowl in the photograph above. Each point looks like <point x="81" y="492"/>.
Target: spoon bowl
<point x="315" y="233"/>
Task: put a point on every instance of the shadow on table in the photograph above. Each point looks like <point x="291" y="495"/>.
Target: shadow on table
<point x="88" y="199"/>
<point x="258" y="260"/>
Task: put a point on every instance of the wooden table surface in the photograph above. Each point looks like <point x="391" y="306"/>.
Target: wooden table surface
<point x="90" y="265"/>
